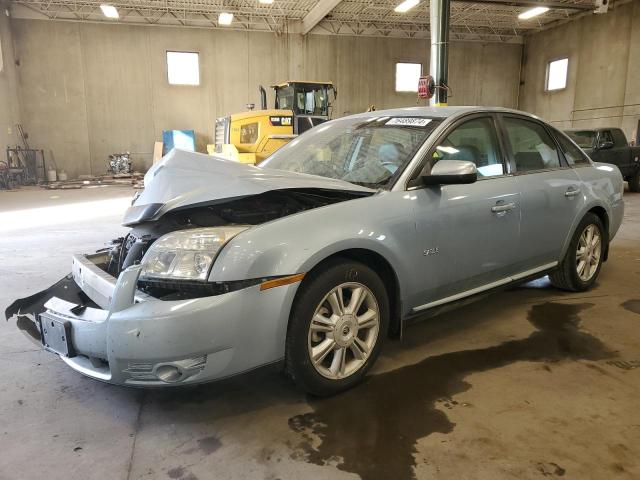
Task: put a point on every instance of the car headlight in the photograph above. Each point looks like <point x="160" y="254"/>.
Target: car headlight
<point x="186" y="254"/>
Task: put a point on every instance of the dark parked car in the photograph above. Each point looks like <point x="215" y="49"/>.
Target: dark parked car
<point x="609" y="145"/>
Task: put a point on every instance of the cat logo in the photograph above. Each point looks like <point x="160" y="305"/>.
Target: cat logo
<point x="281" y="121"/>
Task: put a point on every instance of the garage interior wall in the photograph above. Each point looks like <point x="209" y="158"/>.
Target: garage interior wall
<point x="9" y="98"/>
<point x="88" y="90"/>
<point x="604" y="71"/>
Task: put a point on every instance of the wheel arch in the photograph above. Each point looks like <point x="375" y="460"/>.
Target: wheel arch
<point x="602" y="213"/>
<point x="384" y="269"/>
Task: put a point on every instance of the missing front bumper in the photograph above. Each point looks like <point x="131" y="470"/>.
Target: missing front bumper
<point x="122" y="336"/>
<point x="70" y="317"/>
<point x="65" y="289"/>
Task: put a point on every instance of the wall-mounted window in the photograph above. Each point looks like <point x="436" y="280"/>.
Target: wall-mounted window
<point x="183" y="68"/>
<point x="407" y="76"/>
<point x="557" y="74"/>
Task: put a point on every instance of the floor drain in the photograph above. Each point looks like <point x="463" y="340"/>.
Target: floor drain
<point x="625" y="365"/>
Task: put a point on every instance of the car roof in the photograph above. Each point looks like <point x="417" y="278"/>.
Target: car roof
<point x="439" y="112"/>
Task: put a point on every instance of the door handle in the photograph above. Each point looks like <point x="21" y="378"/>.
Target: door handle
<point x="572" y="192"/>
<point x="503" y="207"/>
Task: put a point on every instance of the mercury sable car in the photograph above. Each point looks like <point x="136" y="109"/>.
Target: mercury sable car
<point x="328" y="247"/>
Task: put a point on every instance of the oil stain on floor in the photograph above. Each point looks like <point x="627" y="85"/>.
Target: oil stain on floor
<point x="371" y="422"/>
<point x="632" y="305"/>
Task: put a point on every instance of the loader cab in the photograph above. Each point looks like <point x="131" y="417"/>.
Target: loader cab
<point x="251" y="136"/>
<point x="309" y="102"/>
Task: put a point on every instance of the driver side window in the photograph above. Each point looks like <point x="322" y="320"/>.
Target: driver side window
<point x="473" y="141"/>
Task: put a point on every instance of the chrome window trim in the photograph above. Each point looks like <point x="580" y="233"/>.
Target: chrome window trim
<point x="582" y="165"/>
<point x="483" y="288"/>
<point x="542" y="170"/>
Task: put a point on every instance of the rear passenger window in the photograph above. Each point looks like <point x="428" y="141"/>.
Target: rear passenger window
<point x="473" y="141"/>
<point x="619" y="137"/>
<point x="573" y="154"/>
<point x="531" y="145"/>
<point x="605" y="136"/>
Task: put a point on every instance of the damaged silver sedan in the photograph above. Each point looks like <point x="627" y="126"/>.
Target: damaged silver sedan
<point x="327" y="248"/>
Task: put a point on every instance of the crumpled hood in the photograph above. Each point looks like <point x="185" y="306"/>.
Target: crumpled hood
<point x="184" y="178"/>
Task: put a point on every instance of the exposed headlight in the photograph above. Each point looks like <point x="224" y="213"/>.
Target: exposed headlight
<point x="186" y="254"/>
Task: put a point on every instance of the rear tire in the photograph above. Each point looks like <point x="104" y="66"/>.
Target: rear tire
<point x="338" y="323"/>
<point x="634" y="182"/>
<point x="581" y="265"/>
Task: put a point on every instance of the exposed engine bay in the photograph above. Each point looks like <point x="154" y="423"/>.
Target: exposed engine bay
<point x="250" y="210"/>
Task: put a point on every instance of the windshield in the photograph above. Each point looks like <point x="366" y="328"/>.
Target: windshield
<point x="303" y="99"/>
<point x="364" y="151"/>
<point x="584" y="138"/>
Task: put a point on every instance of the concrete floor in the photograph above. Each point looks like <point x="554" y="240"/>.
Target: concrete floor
<point x="525" y="384"/>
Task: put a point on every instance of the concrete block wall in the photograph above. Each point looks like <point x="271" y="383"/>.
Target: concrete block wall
<point x="88" y="90"/>
<point x="9" y="97"/>
<point x="603" y="83"/>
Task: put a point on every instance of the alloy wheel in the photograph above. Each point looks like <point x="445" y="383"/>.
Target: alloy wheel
<point x="588" y="252"/>
<point x="343" y="330"/>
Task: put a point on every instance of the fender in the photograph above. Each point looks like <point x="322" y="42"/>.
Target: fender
<point x="284" y="246"/>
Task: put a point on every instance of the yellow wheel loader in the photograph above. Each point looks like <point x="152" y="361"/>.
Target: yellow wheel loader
<point x="252" y="136"/>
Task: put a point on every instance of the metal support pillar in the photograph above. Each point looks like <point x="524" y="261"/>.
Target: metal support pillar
<point x="439" y="68"/>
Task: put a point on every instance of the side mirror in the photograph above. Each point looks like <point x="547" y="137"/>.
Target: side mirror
<point x="449" y="172"/>
<point x="605" y="145"/>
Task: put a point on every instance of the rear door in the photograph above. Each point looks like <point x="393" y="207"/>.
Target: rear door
<point x="467" y="234"/>
<point x="551" y="191"/>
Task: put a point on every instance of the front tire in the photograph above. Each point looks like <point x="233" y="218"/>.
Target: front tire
<point x="337" y="326"/>
<point x="581" y="264"/>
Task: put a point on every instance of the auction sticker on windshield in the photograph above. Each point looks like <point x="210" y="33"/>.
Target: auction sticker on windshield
<point x="409" y="121"/>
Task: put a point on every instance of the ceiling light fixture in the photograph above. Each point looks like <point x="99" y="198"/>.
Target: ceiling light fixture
<point x="109" y="11"/>
<point x="266" y="2"/>
<point x="406" y="6"/>
<point x="225" y="18"/>
<point x="533" y="12"/>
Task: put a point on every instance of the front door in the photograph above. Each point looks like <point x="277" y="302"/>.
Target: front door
<point x="467" y="234"/>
